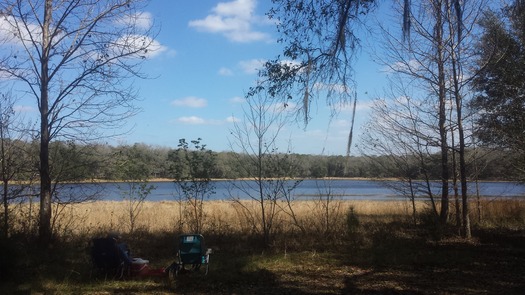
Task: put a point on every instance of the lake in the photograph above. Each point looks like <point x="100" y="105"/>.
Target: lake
<point x="347" y="189"/>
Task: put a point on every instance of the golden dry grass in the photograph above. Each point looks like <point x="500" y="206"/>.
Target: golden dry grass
<point x="232" y="217"/>
<point x="166" y="215"/>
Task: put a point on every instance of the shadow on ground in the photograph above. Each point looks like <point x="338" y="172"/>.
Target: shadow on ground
<point x="389" y="262"/>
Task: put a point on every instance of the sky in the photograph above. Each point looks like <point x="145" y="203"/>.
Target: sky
<point x="207" y="57"/>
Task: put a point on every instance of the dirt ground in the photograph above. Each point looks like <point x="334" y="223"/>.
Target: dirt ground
<point x="492" y="264"/>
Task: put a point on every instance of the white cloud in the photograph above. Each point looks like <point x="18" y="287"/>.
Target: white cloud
<point x="234" y="20"/>
<point x="155" y="48"/>
<point x="403" y="66"/>
<point x="190" y="101"/>
<point x="23" y="109"/>
<point x="342" y="123"/>
<point x="125" y="44"/>
<point x="225" y="72"/>
<point x="144" y="20"/>
<point x="235" y="8"/>
<point x="10" y="35"/>
<point x="140" y="20"/>
<point x="237" y="99"/>
<point x="192" y="120"/>
<point x="251" y="66"/>
<point x="144" y="45"/>
<point x="232" y="119"/>
<point x="283" y="107"/>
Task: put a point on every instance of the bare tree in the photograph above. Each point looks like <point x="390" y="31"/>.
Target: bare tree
<point x="15" y="162"/>
<point x="134" y="193"/>
<point x="327" y="207"/>
<point x="256" y="139"/>
<point x="74" y="58"/>
<point x="401" y="129"/>
<point x="432" y="59"/>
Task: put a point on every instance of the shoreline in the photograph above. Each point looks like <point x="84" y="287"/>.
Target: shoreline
<point x="164" y="180"/>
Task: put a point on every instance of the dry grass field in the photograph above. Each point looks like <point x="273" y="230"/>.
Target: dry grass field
<point x="232" y="217"/>
<point x="379" y="250"/>
<point x="219" y="216"/>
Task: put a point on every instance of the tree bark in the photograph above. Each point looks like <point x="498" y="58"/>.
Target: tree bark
<point x="456" y="73"/>
<point x="442" y="112"/>
<point x="45" y="231"/>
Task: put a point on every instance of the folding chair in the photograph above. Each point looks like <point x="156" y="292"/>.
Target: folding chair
<point x="106" y="258"/>
<point x="191" y="255"/>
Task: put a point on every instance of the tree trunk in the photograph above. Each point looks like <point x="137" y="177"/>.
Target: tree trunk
<point x="45" y="178"/>
<point x="455" y="177"/>
<point x="413" y="200"/>
<point x="442" y="113"/>
<point x="6" y="210"/>
<point x="5" y="183"/>
<point x="456" y="71"/>
<point x="464" y="194"/>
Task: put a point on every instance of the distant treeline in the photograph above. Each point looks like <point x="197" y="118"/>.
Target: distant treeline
<point x="74" y="162"/>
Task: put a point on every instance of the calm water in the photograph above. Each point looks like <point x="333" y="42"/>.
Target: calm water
<point x="344" y="189"/>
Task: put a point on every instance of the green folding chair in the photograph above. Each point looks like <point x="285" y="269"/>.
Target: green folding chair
<point x="191" y="255"/>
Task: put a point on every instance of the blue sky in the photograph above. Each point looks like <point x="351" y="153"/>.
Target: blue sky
<point x="208" y="60"/>
<point x="207" y="57"/>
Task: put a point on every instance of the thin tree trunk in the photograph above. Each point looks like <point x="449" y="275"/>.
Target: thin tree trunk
<point x="266" y="234"/>
<point x="6" y="210"/>
<point x="455" y="179"/>
<point x="5" y="183"/>
<point x="442" y="113"/>
<point x="413" y="200"/>
<point x="456" y="71"/>
<point x="45" y="232"/>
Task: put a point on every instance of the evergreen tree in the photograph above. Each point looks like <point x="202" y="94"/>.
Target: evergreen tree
<point x="500" y="85"/>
